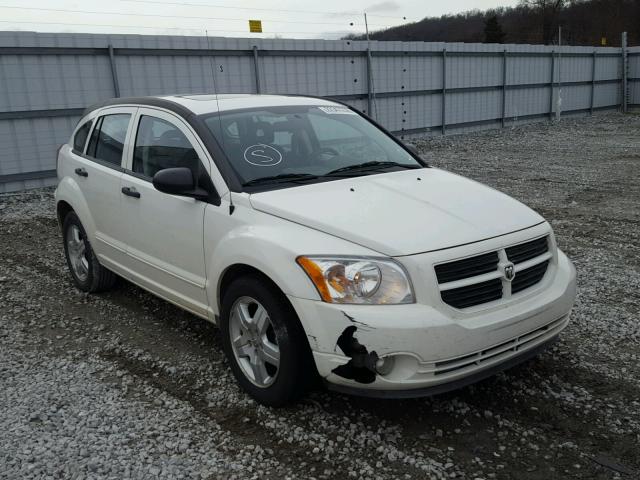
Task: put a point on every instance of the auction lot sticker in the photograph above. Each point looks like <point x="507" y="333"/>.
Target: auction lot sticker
<point x="262" y="155"/>
<point x="337" y="110"/>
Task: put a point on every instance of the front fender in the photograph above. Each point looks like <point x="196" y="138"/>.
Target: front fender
<point x="270" y="245"/>
<point x="263" y="253"/>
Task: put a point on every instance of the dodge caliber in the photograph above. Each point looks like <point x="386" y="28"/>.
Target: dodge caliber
<point x="321" y="245"/>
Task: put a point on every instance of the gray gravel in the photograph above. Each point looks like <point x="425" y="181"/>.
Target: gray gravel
<point x="124" y="385"/>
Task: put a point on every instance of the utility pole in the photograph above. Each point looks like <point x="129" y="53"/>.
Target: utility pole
<point x="559" y="99"/>
<point x="370" y="86"/>
<point x="366" y="26"/>
<point x="625" y="72"/>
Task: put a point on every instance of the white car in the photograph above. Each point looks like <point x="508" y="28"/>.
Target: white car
<point x="319" y="244"/>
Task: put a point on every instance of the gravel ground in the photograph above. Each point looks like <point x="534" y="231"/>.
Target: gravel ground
<point x="122" y="384"/>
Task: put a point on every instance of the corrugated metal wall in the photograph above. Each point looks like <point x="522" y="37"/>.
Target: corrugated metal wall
<point x="416" y="88"/>
<point x="634" y="76"/>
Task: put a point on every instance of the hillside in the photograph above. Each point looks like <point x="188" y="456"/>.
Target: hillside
<point x="584" y="22"/>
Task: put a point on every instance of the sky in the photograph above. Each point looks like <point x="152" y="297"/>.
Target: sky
<point x="329" y="19"/>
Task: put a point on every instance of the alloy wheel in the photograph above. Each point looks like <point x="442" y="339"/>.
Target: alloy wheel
<point x="77" y="251"/>
<point x="254" y="342"/>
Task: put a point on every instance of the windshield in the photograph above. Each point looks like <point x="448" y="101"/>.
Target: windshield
<point x="296" y="144"/>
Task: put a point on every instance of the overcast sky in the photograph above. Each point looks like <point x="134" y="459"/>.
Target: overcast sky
<point x="287" y="18"/>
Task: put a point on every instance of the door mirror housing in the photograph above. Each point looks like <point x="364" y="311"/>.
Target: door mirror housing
<point x="180" y="181"/>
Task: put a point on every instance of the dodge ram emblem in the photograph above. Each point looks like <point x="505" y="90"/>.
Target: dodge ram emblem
<point x="509" y="271"/>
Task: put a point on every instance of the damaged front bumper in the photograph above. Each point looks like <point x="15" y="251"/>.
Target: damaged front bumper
<point x="417" y="349"/>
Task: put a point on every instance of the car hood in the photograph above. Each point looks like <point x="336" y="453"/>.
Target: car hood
<point x="401" y="213"/>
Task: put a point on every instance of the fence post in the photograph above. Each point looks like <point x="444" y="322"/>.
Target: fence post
<point x="256" y="68"/>
<point x="114" y="71"/>
<point x="444" y="91"/>
<point x="625" y="83"/>
<point x="551" y="85"/>
<point x="369" y="86"/>
<point x="504" y="86"/>
<point x="593" y="81"/>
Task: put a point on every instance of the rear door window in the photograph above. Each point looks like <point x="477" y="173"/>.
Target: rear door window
<point x="107" y="139"/>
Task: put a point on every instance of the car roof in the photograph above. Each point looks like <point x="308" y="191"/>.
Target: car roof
<point x="202" y="104"/>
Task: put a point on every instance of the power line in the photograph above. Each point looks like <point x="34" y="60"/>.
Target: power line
<point x="181" y="4"/>
<point x="199" y="17"/>
<point x="201" y="29"/>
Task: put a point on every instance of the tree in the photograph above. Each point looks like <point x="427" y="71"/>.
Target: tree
<point x="549" y="11"/>
<point x="493" y="30"/>
<point x="584" y="22"/>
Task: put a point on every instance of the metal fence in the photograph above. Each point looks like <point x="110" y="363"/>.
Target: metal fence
<point x="412" y="88"/>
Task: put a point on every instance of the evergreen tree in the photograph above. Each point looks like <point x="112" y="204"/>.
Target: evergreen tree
<point x="493" y="30"/>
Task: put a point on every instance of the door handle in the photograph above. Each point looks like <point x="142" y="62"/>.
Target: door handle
<point x="130" y="192"/>
<point x="81" y="172"/>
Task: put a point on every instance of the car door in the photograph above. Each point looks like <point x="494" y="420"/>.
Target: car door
<point x="98" y="171"/>
<point x="164" y="234"/>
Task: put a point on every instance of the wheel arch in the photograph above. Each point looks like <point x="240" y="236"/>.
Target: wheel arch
<point x="62" y="210"/>
<point x="69" y="198"/>
<point x="238" y="270"/>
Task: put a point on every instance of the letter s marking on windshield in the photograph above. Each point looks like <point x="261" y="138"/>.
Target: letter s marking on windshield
<point x="262" y="155"/>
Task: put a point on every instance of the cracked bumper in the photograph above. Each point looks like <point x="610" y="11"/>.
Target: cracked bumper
<point x="434" y="345"/>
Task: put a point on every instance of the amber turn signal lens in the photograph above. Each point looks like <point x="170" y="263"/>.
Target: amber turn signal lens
<point x="317" y="277"/>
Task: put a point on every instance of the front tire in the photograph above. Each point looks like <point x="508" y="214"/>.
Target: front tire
<point x="264" y="342"/>
<point x="86" y="271"/>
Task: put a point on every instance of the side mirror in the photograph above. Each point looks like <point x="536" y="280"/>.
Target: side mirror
<point x="178" y="181"/>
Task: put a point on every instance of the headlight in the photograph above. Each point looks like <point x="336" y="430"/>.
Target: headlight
<point x="358" y="280"/>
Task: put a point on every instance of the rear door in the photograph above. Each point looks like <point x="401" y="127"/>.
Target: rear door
<point x="98" y="173"/>
<point x="164" y="232"/>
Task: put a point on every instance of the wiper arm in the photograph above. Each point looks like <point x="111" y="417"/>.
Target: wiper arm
<point x="283" y="177"/>
<point x="303" y="177"/>
<point x="362" y="167"/>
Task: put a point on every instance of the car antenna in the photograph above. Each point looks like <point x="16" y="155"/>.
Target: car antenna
<point x="215" y="92"/>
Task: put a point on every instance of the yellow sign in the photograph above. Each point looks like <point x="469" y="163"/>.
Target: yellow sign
<point x="603" y="41"/>
<point x="255" y="26"/>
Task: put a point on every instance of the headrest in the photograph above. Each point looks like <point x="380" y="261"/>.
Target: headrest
<point x="263" y="132"/>
<point x="173" y="138"/>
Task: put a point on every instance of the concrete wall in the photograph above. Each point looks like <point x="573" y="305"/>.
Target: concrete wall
<point x="47" y="79"/>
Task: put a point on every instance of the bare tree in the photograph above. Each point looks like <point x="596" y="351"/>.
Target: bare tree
<point x="549" y="11"/>
<point x="584" y="22"/>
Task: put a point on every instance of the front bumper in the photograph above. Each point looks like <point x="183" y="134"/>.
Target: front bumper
<point x="436" y="389"/>
<point x="431" y="346"/>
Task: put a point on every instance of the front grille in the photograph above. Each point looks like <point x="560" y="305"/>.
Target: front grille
<point x="529" y="277"/>
<point x="476" y="280"/>
<point x="526" y="251"/>
<point x="475" y="294"/>
<point x="468" y="267"/>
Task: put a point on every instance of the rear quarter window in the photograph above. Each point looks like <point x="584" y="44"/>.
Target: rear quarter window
<point x="80" y="138"/>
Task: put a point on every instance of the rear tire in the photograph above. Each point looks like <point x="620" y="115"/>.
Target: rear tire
<point x="269" y="331"/>
<point x="86" y="271"/>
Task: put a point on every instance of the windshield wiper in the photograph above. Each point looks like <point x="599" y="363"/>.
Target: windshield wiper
<point x="283" y="177"/>
<point x="363" y="167"/>
<point x="304" y="177"/>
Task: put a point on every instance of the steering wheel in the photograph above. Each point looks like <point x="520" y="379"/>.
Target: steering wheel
<point x="328" y="151"/>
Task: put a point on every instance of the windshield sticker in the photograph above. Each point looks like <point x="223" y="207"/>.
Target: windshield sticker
<point x="262" y="155"/>
<point x="337" y="110"/>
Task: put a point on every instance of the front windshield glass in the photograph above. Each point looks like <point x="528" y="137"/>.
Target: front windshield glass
<point x="304" y="143"/>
